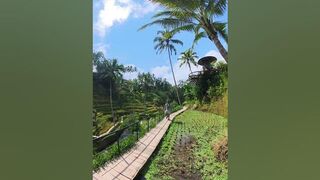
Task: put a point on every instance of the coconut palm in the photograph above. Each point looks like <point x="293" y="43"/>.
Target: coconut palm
<point x="196" y="16"/>
<point x="165" y="42"/>
<point x="187" y="58"/>
<point x="111" y="71"/>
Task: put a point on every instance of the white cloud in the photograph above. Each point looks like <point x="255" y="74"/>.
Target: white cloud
<point x="101" y="47"/>
<point x="160" y="71"/>
<point x="146" y="7"/>
<point x="118" y="11"/>
<point x="181" y="73"/>
<point x="216" y="54"/>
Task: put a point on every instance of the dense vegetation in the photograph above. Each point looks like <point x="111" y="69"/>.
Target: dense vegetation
<point x="194" y="148"/>
<point x="117" y="100"/>
<point x="210" y="91"/>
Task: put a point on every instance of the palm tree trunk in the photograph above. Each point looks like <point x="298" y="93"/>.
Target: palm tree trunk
<point x="111" y="105"/>
<point x="190" y="67"/>
<point x="174" y="78"/>
<point x="220" y="47"/>
<point x="207" y="26"/>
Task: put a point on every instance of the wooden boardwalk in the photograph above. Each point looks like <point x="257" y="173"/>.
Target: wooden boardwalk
<point x="129" y="164"/>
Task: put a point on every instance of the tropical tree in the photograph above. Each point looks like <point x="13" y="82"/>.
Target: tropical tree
<point x="196" y="16"/>
<point x="188" y="57"/>
<point x="111" y="71"/>
<point x="96" y="57"/>
<point x="165" y="42"/>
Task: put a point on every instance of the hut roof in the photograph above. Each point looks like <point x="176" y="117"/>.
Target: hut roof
<point x="206" y="60"/>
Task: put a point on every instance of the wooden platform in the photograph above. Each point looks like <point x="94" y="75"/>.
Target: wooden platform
<point x="129" y="164"/>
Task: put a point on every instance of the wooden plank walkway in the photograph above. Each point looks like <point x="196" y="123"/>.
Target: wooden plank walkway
<point x="129" y="164"/>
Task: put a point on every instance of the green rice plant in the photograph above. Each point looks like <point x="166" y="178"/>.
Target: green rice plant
<point x="206" y="129"/>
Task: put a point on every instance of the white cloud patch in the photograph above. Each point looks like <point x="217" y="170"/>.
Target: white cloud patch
<point x="118" y="11"/>
<point x="160" y="71"/>
<point x="101" y="47"/>
<point x="181" y="73"/>
<point x="216" y="54"/>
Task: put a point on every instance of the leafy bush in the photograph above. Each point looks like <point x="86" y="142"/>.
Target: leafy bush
<point x="210" y="91"/>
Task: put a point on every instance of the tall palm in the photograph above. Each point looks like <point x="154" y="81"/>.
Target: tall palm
<point x="196" y="16"/>
<point x="188" y="57"/>
<point x="112" y="71"/>
<point x="165" y="42"/>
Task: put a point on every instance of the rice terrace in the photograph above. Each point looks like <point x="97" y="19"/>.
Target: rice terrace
<point x="160" y="109"/>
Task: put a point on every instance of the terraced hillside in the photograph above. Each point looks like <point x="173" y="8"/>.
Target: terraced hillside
<point x="122" y="111"/>
<point x="131" y="99"/>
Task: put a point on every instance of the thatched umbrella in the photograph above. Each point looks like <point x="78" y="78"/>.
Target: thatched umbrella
<point x="206" y="61"/>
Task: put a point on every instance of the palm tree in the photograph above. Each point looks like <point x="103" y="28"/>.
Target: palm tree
<point x="195" y="15"/>
<point x="165" y="42"/>
<point x="111" y="71"/>
<point x="188" y="57"/>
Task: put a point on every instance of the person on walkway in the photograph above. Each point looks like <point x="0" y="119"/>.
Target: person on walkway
<point x="167" y="110"/>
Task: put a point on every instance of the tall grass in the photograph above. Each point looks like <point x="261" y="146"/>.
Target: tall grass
<point x="217" y="106"/>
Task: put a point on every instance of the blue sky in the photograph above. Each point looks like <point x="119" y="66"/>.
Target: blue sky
<point x="115" y="27"/>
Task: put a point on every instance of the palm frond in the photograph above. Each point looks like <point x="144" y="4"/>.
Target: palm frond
<point x="187" y="4"/>
<point x="173" y="12"/>
<point x="221" y="29"/>
<point x="176" y="41"/>
<point x="172" y="48"/>
<point x="167" y="23"/>
<point x="219" y="6"/>
<point x="188" y="27"/>
<point x="199" y="36"/>
<point x="157" y="39"/>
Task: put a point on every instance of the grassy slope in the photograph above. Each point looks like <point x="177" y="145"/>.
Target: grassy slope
<point x="218" y="106"/>
<point x="207" y="129"/>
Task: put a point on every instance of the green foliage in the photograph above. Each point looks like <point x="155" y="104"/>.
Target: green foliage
<point x="187" y="58"/>
<point x="189" y="92"/>
<point x="144" y="95"/>
<point x="196" y="16"/>
<point x="207" y="129"/>
<point x="210" y="91"/>
<point x="112" y="152"/>
<point x="165" y="42"/>
<point x="175" y="106"/>
<point x="209" y="86"/>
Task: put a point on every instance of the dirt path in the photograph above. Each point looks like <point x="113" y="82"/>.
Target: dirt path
<point x="185" y="161"/>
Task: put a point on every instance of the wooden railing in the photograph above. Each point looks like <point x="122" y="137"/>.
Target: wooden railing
<point x="103" y="142"/>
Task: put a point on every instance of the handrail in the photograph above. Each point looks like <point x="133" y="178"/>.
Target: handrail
<point x="198" y="73"/>
<point x="103" y="142"/>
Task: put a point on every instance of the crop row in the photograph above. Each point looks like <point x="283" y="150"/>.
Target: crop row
<point x="206" y="129"/>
